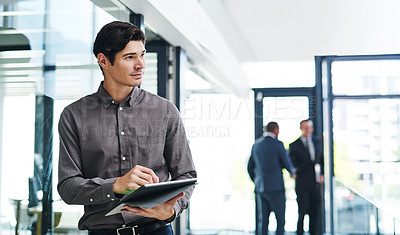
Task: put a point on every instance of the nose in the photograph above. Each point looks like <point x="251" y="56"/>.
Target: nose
<point x="140" y="63"/>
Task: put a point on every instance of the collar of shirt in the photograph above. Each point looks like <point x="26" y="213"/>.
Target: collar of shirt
<point x="304" y="139"/>
<point x="108" y="101"/>
<point x="270" y="134"/>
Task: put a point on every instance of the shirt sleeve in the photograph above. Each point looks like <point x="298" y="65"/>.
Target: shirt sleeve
<point x="292" y="156"/>
<point x="319" y="151"/>
<point x="285" y="159"/>
<point x="178" y="156"/>
<point x="251" y="166"/>
<point x="72" y="186"/>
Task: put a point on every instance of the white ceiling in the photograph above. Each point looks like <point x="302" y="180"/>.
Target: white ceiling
<point x="223" y="35"/>
<point x="300" y="29"/>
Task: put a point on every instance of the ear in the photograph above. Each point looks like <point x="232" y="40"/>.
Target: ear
<point x="102" y="60"/>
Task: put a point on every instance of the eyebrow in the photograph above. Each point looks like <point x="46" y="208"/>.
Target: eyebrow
<point x="134" y="53"/>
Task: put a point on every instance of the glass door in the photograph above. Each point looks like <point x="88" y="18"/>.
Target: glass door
<point x="287" y="107"/>
<point x="287" y="112"/>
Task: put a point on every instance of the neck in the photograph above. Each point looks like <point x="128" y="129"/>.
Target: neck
<point x="117" y="93"/>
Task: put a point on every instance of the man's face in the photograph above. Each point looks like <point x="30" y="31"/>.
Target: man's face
<point x="306" y="129"/>
<point x="128" y="66"/>
<point x="276" y="131"/>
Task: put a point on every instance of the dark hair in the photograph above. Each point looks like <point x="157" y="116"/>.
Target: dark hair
<point x="114" y="37"/>
<point x="271" y="126"/>
<point x="305" y="120"/>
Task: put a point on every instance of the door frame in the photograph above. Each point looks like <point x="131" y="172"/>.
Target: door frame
<point x="312" y="93"/>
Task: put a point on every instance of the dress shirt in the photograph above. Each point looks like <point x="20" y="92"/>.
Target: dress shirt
<point x="267" y="133"/>
<point x="101" y="140"/>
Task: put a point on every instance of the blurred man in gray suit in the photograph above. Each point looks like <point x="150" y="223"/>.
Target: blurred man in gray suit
<point x="267" y="160"/>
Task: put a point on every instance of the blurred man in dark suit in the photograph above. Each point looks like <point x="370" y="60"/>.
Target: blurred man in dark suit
<point x="268" y="158"/>
<point x="307" y="156"/>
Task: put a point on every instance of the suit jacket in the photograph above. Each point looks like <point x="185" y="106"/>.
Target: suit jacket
<point x="305" y="168"/>
<point x="268" y="158"/>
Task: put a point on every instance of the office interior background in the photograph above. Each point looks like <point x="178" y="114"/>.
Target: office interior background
<point x="230" y="66"/>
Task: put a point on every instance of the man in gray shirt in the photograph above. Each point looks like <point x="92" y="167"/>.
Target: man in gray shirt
<point x="120" y="138"/>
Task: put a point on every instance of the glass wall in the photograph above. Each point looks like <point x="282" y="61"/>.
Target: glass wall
<point x="45" y="53"/>
<point x="366" y="129"/>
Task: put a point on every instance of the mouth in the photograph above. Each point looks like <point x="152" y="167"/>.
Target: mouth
<point x="137" y="75"/>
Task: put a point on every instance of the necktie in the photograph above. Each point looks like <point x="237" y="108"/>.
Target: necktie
<point x="310" y="149"/>
<point x="307" y="145"/>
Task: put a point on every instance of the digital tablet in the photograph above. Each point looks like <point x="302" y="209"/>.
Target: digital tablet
<point x="151" y="195"/>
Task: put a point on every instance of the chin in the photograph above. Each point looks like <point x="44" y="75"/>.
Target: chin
<point x="135" y="82"/>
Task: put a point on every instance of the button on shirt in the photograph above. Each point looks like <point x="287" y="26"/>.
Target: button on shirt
<point x="101" y="140"/>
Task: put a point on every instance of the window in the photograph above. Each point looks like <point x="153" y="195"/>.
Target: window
<point x="58" y="62"/>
